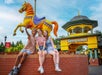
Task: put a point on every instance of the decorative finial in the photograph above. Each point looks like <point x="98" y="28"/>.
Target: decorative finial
<point x="78" y="13"/>
<point x="24" y="1"/>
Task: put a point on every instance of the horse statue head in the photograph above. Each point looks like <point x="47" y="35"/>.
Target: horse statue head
<point x="27" y="7"/>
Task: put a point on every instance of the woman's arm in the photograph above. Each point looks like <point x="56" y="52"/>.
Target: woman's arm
<point x="44" y="45"/>
<point x="37" y="45"/>
<point x="27" y="32"/>
<point x="55" y="50"/>
<point x="52" y="42"/>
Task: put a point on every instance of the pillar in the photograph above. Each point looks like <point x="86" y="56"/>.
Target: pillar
<point x="82" y="30"/>
<point x="91" y="54"/>
<point x="91" y="31"/>
<point x="96" y="54"/>
<point x="72" y="31"/>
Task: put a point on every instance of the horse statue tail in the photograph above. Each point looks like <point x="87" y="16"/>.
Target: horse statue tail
<point x="55" y="27"/>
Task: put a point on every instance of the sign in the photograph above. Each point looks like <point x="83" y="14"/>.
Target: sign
<point x="7" y="44"/>
<point x="77" y="40"/>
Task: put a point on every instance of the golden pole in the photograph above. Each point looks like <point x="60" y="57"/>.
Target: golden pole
<point x="78" y="13"/>
<point x="35" y="6"/>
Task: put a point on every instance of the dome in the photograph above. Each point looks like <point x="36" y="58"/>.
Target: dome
<point x="79" y="17"/>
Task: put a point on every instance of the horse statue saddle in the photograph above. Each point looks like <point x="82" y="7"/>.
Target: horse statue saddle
<point x="37" y="20"/>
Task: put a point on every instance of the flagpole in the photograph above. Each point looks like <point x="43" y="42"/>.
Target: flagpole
<point x="35" y="6"/>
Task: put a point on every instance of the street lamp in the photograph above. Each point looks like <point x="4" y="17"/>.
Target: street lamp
<point x="5" y="39"/>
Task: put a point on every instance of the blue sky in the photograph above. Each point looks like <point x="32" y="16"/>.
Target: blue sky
<point x="59" y="10"/>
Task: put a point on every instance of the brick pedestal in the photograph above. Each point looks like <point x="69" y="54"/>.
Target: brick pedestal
<point x="70" y="65"/>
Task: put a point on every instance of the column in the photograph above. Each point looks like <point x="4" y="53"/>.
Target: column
<point x="68" y="33"/>
<point x="91" y="31"/>
<point x="91" y="53"/>
<point x="72" y="31"/>
<point x="96" y="54"/>
<point x="82" y="30"/>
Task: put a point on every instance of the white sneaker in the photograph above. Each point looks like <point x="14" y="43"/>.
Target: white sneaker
<point x="41" y="70"/>
<point x="58" y="69"/>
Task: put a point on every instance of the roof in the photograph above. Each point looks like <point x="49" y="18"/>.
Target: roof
<point x="80" y="20"/>
<point x="79" y="17"/>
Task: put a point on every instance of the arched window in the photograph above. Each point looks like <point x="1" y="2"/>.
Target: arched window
<point x="86" y="29"/>
<point x="77" y="30"/>
<point x="70" y="31"/>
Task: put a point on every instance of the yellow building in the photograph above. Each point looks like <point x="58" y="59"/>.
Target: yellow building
<point x="80" y="30"/>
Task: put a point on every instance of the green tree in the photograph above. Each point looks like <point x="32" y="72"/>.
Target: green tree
<point x="98" y="32"/>
<point x="13" y="44"/>
<point x="20" y="42"/>
<point x="2" y="47"/>
<point x="2" y="44"/>
<point x="80" y="48"/>
<point x="62" y="36"/>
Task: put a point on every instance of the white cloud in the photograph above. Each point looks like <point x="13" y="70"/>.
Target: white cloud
<point x="10" y="14"/>
<point x="97" y="15"/>
<point x="9" y="1"/>
<point x="9" y="18"/>
<point x="1" y="30"/>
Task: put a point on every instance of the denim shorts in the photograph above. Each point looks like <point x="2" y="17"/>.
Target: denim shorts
<point x="27" y="51"/>
<point x="41" y="47"/>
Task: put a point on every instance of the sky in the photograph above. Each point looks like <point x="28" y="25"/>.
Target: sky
<point x="61" y="11"/>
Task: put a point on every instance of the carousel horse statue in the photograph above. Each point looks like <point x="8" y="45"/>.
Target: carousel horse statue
<point x="31" y="21"/>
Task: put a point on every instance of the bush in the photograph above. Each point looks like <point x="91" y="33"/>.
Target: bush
<point x="16" y="48"/>
<point x="2" y="48"/>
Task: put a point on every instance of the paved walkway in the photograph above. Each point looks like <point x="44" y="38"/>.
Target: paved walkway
<point x="95" y="70"/>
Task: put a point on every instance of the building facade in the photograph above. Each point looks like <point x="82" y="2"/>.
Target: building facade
<point x="80" y="32"/>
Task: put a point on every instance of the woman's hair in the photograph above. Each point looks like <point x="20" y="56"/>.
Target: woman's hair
<point x="47" y="34"/>
<point x="40" y="30"/>
<point x="34" y="29"/>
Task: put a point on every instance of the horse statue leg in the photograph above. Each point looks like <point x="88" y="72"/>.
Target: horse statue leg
<point x="20" y="25"/>
<point x="21" y="29"/>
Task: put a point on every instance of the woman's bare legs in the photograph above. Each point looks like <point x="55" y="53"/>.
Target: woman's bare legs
<point x="41" y="60"/>
<point x="55" y="54"/>
<point x="18" y="59"/>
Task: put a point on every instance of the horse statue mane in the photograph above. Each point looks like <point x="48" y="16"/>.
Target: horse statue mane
<point x="31" y="21"/>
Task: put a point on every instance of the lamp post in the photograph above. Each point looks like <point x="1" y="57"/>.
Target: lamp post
<point x="5" y="39"/>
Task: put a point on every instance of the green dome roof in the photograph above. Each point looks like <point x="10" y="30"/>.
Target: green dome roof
<point x="80" y="17"/>
<point x="80" y="20"/>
